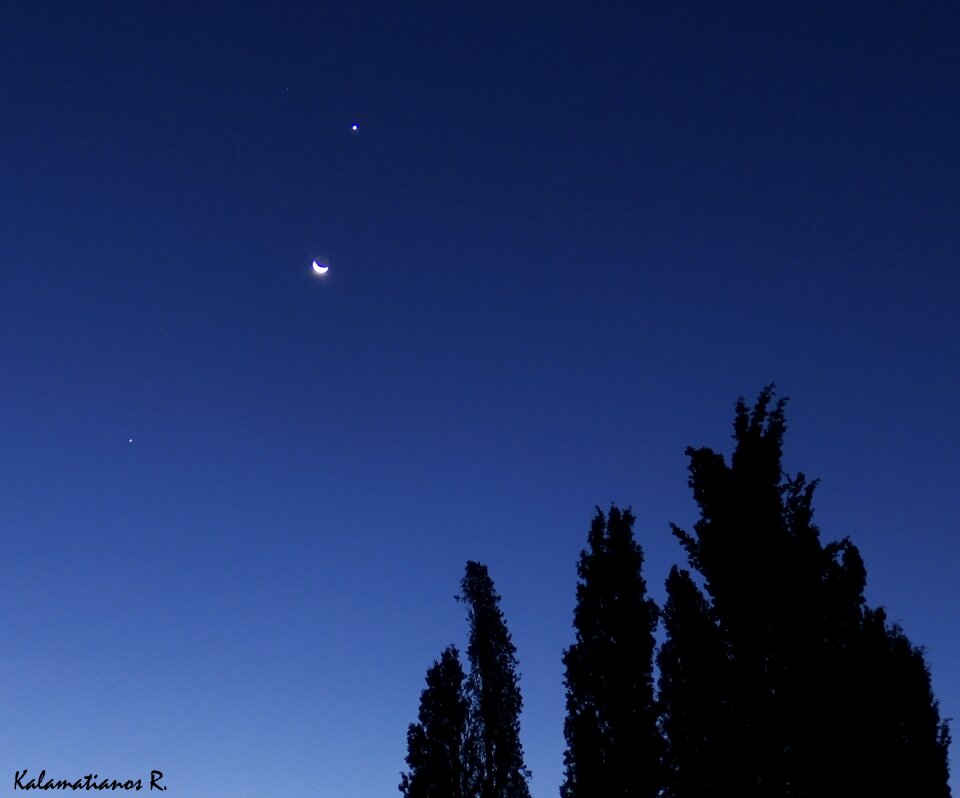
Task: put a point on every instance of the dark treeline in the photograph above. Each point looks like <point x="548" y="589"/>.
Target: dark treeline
<point x="774" y="679"/>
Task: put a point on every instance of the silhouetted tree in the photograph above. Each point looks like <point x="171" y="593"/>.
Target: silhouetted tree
<point x="901" y="737"/>
<point x="494" y="753"/>
<point x="613" y="744"/>
<point x="697" y="720"/>
<point x="805" y="717"/>
<point x="435" y="745"/>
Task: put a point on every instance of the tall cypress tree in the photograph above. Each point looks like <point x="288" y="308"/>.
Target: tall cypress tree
<point x="435" y="745"/>
<point x="613" y="744"/>
<point x="494" y="752"/>
<point x="467" y="741"/>
<point x="697" y="721"/>
<point x="799" y="643"/>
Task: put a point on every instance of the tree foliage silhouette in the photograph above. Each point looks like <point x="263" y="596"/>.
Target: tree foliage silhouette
<point x="467" y="741"/>
<point x="780" y="681"/>
<point x="494" y="752"/>
<point x="613" y="744"/>
<point x="435" y="744"/>
<point x="776" y="679"/>
<point x="697" y="719"/>
<point x="903" y="737"/>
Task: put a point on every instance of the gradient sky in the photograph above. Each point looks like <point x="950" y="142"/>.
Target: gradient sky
<point x="564" y="239"/>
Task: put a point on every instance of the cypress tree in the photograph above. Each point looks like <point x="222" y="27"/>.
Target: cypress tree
<point x="613" y="744"/>
<point x="697" y="721"/>
<point x="435" y="744"/>
<point x="494" y="753"/>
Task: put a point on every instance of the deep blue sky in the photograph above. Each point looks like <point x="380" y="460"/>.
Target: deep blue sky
<point x="565" y="238"/>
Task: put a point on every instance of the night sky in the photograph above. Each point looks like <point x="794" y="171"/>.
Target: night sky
<point x="236" y="499"/>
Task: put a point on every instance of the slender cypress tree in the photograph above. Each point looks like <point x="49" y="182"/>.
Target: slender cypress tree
<point x="435" y="744"/>
<point x="697" y="721"/>
<point x="613" y="744"/>
<point x="494" y="753"/>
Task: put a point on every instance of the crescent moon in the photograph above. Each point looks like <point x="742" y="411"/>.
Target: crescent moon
<point x="320" y="268"/>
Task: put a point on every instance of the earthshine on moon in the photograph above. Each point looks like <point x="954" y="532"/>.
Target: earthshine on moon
<point x="320" y="266"/>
